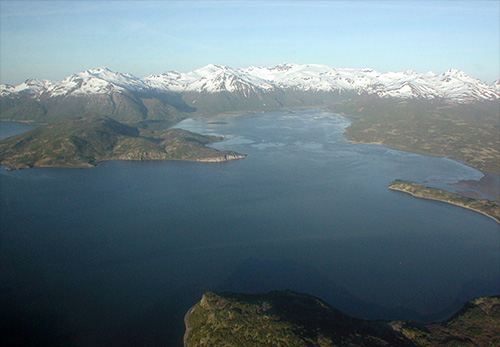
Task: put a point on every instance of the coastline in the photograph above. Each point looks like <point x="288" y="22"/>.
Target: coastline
<point x="288" y="318"/>
<point x="186" y="324"/>
<point x="220" y="159"/>
<point x="496" y="219"/>
<point x="86" y="142"/>
<point x="489" y="184"/>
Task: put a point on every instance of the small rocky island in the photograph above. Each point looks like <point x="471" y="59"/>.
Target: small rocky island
<point x="290" y="319"/>
<point x="86" y="141"/>
<point x="489" y="208"/>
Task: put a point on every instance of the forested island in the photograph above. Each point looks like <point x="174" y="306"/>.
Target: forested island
<point x="489" y="208"/>
<point x="290" y="319"/>
<point x="88" y="140"/>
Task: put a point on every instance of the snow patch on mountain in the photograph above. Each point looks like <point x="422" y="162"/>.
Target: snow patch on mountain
<point x="496" y="86"/>
<point x="96" y="81"/>
<point x="453" y="84"/>
<point x="30" y="87"/>
<point x="209" y="79"/>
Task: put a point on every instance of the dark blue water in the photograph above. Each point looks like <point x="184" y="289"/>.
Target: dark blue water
<point x="115" y="255"/>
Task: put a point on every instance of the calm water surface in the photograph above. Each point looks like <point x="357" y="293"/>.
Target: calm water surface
<point x="117" y="254"/>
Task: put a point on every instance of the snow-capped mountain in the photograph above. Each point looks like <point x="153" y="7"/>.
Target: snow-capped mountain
<point x="97" y="81"/>
<point x="93" y="81"/>
<point x="209" y="79"/>
<point x="453" y="84"/>
<point x="496" y="86"/>
<point x="216" y="89"/>
<point x="31" y="87"/>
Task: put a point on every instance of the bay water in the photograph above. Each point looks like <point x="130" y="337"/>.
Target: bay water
<point x="115" y="255"/>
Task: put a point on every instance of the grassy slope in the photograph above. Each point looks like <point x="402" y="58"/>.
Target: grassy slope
<point x="280" y="319"/>
<point x="86" y="141"/>
<point x="292" y="319"/>
<point x="467" y="132"/>
<point x="477" y="324"/>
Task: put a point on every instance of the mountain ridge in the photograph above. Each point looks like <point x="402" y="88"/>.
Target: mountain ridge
<point x="452" y="84"/>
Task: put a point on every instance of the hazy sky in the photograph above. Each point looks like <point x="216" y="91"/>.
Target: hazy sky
<point x="53" y="39"/>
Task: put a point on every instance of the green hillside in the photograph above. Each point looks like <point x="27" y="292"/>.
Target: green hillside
<point x="86" y="141"/>
<point x="289" y="319"/>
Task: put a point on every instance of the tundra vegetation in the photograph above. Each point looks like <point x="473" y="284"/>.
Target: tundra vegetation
<point x="466" y="132"/>
<point x="287" y="318"/>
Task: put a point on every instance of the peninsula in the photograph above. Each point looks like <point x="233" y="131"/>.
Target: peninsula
<point x="489" y="208"/>
<point x="88" y="140"/>
<point x="464" y="131"/>
<point x="287" y="318"/>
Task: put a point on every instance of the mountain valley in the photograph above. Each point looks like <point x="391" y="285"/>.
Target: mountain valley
<point x="448" y="114"/>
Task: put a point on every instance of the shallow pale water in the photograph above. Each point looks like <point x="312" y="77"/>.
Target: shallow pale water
<point x="117" y="254"/>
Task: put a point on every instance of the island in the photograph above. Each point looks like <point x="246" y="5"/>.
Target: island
<point x="287" y="318"/>
<point x="489" y="208"/>
<point x="86" y="141"/>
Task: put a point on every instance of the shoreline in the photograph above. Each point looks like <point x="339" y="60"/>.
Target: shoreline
<point x="220" y="159"/>
<point x="187" y="326"/>
<point x="55" y="147"/>
<point x="489" y="184"/>
<point x="496" y="219"/>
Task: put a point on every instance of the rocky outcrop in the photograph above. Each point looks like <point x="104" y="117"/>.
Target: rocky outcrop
<point x="292" y="319"/>
<point x="287" y="319"/>
<point x="223" y="158"/>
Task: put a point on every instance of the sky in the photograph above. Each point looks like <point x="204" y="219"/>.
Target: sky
<point x="54" y="39"/>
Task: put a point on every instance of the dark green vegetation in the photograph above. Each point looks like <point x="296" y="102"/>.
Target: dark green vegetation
<point x="86" y="141"/>
<point x="124" y="107"/>
<point x="292" y="319"/>
<point x="280" y="319"/>
<point x="467" y="132"/>
<point x="476" y="324"/>
<point x="487" y="207"/>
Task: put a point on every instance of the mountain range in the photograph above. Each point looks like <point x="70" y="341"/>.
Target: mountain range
<point x="213" y="89"/>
